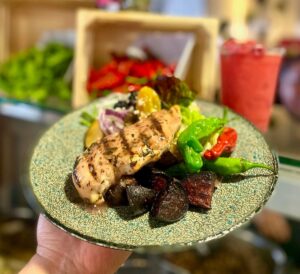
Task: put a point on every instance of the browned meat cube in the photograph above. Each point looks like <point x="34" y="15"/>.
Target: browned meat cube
<point x="200" y="188"/>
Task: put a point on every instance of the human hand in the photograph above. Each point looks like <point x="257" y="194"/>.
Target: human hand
<point x="58" y="252"/>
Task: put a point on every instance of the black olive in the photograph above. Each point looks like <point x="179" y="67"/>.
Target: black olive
<point x="121" y="104"/>
<point x="132" y="99"/>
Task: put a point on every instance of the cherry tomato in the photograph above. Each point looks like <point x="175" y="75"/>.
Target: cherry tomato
<point x="147" y="101"/>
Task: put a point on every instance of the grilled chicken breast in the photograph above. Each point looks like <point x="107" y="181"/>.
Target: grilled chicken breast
<point x="124" y="153"/>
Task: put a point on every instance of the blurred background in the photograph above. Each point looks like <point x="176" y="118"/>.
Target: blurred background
<point x="40" y="82"/>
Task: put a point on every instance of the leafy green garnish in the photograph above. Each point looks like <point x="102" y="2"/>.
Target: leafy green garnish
<point x="86" y="118"/>
<point x="173" y="91"/>
<point x="209" y="142"/>
<point x="190" y="114"/>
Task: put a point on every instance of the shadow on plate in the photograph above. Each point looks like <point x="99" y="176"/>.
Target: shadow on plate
<point x="71" y="192"/>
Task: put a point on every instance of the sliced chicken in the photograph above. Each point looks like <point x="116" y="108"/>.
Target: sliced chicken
<point x="124" y="153"/>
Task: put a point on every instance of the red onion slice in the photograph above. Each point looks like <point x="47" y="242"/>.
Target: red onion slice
<point x="112" y="121"/>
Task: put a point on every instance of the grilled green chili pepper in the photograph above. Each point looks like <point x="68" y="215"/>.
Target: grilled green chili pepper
<point x="229" y="166"/>
<point x="189" y="144"/>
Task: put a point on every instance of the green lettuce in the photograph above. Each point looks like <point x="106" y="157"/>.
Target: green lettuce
<point x="173" y="91"/>
<point x="190" y="114"/>
<point x="37" y="76"/>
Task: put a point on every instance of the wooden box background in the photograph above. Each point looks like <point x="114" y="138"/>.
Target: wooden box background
<point x="98" y="33"/>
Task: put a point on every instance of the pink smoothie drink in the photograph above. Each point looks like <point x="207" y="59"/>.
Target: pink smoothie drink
<point x="249" y="76"/>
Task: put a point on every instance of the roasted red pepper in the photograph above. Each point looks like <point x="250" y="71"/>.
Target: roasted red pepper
<point x="225" y="144"/>
<point x="124" y="74"/>
<point x="107" y="81"/>
<point x="125" y="88"/>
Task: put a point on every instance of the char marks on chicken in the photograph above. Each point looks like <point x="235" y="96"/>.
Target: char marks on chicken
<point x="124" y="153"/>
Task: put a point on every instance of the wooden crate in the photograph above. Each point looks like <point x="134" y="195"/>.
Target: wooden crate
<point x="22" y="22"/>
<point x="98" y="33"/>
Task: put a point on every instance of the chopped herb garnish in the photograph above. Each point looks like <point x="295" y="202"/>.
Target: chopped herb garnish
<point x="86" y="118"/>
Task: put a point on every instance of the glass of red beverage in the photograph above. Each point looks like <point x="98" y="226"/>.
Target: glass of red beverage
<point x="249" y="76"/>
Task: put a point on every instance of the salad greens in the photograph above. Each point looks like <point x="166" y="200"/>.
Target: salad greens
<point x="36" y="76"/>
<point x="173" y="91"/>
<point x="190" y="114"/>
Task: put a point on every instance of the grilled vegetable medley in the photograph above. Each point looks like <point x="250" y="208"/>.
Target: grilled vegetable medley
<point x="156" y="152"/>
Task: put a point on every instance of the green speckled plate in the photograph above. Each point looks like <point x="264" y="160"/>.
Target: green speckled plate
<point x="234" y="202"/>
